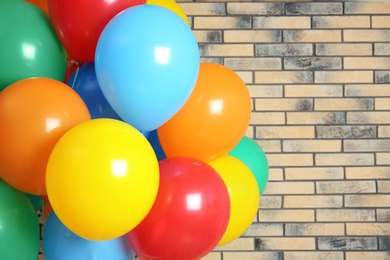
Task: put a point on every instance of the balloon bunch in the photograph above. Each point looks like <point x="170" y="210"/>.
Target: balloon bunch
<point x="137" y="147"/>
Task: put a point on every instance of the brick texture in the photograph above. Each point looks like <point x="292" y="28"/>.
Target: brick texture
<point x="318" y="73"/>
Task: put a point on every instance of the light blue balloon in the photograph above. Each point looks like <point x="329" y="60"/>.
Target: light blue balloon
<point x="59" y="243"/>
<point x="147" y="63"/>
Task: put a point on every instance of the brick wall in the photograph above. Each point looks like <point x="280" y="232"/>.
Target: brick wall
<point x="319" y="78"/>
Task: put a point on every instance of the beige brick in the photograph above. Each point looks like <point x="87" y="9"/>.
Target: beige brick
<point x="275" y="174"/>
<point x="255" y="8"/>
<point x="375" y="63"/>
<point x="283" y="104"/>
<point x="315" y="229"/>
<point x="367" y="255"/>
<point x="315" y="118"/>
<point x="343" y="187"/>
<point x="379" y="7"/>
<point x="246" y="76"/>
<point x="264" y="230"/>
<point x="382" y="104"/>
<point x="194" y="9"/>
<point x="283" y="243"/>
<point x="293" y="49"/>
<point x="265" y="90"/>
<point x="343" y="77"/>
<point x="280" y="160"/>
<point x="345" y="131"/>
<point x="221" y="22"/>
<point x="270" y="146"/>
<point x="261" y="118"/>
<point x="253" y="63"/>
<point x="313" y="90"/>
<point x="250" y="132"/>
<point x="299" y="146"/>
<point x="383" y="186"/>
<point x="343" y="49"/>
<point x="288" y="255"/>
<point x="315" y="173"/>
<point x="363" y="145"/>
<point x="283" y="77"/>
<point x="281" y="22"/>
<point x="212" y="256"/>
<point x="367" y="201"/>
<point x="270" y="202"/>
<point x="365" y="90"/>
<point x="367" y="172"/>
<point x="383" y="131"/>
<point x="286" y="215"/>
<point x="241" y="243"/>
<point x="341" y="215"/>
<point x="368" y="117"/>
<point x="312" y="36"/>
<point x="344" y="159"/>
<point x="255" y="36"/>
<point x="383" y="215"/>
<point x="312" y="63"/>
<point x="313" y="201"/>
<point x="381" y="49"/>
<point x="226" y="50"/>
<point x="208" y="36"/>
<point x="366" y="35"/>
<point x="286" y="187"/>
<point x="380" y="21"/>
<point x="313" y="8"/>
<point x="284" y="132"/>
<point x="251" y="255"/>
<point x="347" y="243"/>
<point x="383" y="158"/>
<point x="344" y="104"/>
<point x="345" y="21"/>
<point x="368" y="229"/>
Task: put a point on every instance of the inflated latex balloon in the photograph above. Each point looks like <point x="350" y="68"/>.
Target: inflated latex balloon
<point x="171" y="5"/>
<point x="153" y="140"/>
<point x="189" y="216"/>
<point x="250" y="153"/>
<point x="19" y="232"/>
<point x="59" y="243"/>
<point x="147" y="63"/>
<point x="102" y="179"/>
<point x="79" y="23"/>
<point x="29" y="46"/>
<point x="34" y="114"/>
<point x="213" y="120"/>
<point x="84" y="82"/>
<point x="37" y="201"/>
<point x="243" y="192"/>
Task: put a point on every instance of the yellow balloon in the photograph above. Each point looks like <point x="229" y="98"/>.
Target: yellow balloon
<point x="102" y="179"/>
<point x="243" y="192"/>
<point x="171" y="5"/>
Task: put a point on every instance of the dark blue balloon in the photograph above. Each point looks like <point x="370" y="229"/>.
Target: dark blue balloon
<point x="155" y="142"/>
<point x="59" y="243"/>
<point x="84" y="82"/>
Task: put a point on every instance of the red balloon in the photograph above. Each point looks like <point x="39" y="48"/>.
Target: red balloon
<point x="190" y="214"/>
<point x="78" y="23"/>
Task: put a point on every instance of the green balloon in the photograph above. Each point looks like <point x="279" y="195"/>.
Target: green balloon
<point x="251" y="154"/>
<point x="29" y="46"/>
<point x="19" y="228"/>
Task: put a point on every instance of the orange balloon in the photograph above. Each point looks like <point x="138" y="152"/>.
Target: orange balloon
<point x="41" y="4"/>
<point x="34" y="114"/>
<point x="214" y="118"/>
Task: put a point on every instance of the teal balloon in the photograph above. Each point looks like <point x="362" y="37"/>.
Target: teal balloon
<point x="29" y="46"/>
<point x="251" y="154"/>
<point x="19" y="228"/>
<point x="36" y="200"/>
